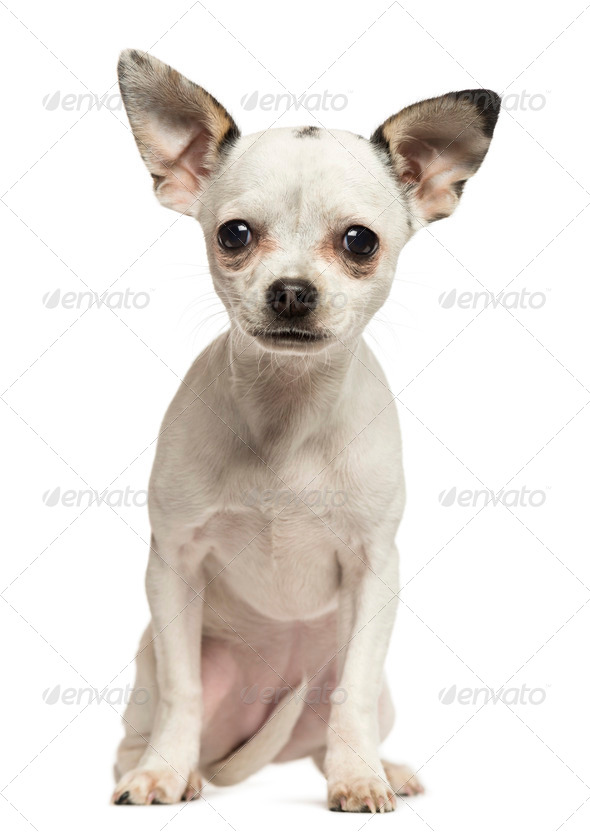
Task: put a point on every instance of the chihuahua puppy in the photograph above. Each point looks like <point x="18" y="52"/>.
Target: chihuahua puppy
<point x="271" y="612"/>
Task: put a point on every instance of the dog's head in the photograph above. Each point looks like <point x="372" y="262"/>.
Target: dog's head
<point x="304" y="226"/>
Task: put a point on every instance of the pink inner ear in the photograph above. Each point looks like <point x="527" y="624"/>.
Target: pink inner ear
<point x="194" y="157"/>
<point x="434" y="172"/>
<point x="180" y="157"/>
<point x="423" y="161"/>
<point x="417" y="156"/>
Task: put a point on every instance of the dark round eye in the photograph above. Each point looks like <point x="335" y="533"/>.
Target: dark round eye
<point x="234" y="235"/>
<point x="360" y="241"/>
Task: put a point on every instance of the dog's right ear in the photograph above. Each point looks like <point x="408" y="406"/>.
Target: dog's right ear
<point x="179" y="128"/>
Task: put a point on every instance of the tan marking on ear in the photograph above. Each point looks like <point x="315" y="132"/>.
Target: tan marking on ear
<point x="437" y="144"/>
<point x="178" y="126"/>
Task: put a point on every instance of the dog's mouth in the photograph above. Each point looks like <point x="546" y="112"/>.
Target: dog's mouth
<point x="291" y="336"/>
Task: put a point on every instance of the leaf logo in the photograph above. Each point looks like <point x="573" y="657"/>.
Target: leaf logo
<point x="51" y="696"/>
<point x="51" y="102"/>
<point x="51" y="498"/>
<point x="447" y="299"/>
<point x="250" y="102"/>
<point x="249" y="694"/>
<point x="448" y="498"/>
<point x="447" y="696"/>
<point x="51" y="300"/>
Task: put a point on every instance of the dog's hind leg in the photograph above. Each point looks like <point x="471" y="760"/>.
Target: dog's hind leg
<point x="401" y="779"/>
<point x="139" y="715"/>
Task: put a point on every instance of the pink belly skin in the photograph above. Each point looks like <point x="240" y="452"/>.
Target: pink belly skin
<point x="242" y="684"/>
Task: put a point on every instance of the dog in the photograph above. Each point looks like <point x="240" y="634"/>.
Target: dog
<point x="258" y="601"/>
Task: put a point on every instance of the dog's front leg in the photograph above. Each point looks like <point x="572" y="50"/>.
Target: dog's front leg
<point x="356" y="779"/>
<point x="167" y="771"/>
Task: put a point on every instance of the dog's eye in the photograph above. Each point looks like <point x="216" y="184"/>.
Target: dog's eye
<point x="360" y="241"/>
<point x="234" y="235"/>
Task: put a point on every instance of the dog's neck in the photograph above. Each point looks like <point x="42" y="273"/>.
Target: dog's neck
<point x="281" y="394"/>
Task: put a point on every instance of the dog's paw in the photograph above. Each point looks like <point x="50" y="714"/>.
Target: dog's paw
<point x="370" y="794"/>
<point x="156" y="786"/>
<point x="402" y="779"/>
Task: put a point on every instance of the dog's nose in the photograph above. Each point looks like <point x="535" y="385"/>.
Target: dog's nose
<point x="292" y="298"/>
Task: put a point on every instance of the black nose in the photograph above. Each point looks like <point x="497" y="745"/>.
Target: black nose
<point x="292" y="298"/>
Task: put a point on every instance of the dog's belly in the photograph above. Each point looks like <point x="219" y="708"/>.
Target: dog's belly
<point x="270" y="620"/>
<point x="246" y="674"/>
<point x="285" y="570"/>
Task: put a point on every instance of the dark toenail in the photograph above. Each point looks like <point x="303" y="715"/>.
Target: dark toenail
<point x="123" y="798"/>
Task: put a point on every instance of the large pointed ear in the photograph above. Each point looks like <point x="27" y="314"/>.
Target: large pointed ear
<point x="436" y="145"/>
<point x="179" y="128"/>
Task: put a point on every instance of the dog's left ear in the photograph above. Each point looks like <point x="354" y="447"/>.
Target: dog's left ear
<point x="436" y="145"/>
<point x="179" y="127"/>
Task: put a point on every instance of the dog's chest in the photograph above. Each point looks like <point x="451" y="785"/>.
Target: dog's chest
<point x="273" y="520"/>
<point x="280" y="560"/>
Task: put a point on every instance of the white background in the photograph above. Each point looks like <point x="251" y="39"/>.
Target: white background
<point x="488" y="398"/>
